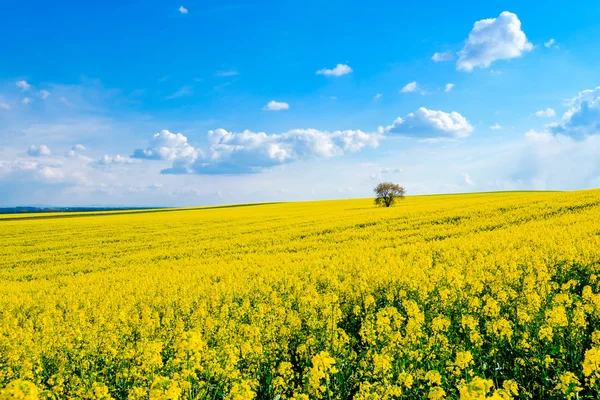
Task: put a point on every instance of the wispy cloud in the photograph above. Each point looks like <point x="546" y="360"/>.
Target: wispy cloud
<point x="550" y="43"/>
<point x="445" y="56"/>
<point x="184" y="91"/>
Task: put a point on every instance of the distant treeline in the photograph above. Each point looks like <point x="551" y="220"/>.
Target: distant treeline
<point x="22" y="210"/>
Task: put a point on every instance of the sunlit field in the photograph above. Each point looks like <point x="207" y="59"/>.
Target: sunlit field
<point x="458" y="296"/>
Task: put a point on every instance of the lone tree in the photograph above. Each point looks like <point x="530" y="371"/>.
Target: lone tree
<point x="387" y="193"/>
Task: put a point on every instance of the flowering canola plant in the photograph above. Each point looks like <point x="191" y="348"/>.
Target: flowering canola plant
<point x="479" y="296"/>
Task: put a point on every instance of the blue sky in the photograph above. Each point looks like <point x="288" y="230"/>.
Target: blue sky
<point x="208" y="102"/>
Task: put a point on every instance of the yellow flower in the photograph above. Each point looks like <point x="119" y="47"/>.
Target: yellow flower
<point x="19" y="390"/>
<point x="511" y="387"/>
<point x="463" y="359"/>
<point x="477" y="389"/>
<point x="323" y="365"/>
<point x="546" y="333"/>
<point x="591" y="365"/>
<point x="568" y="385"/>
<point x="436" y="393"/>
<point x="433" y="378"/>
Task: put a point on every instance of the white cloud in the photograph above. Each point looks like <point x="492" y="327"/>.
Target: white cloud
<point x="583" y="118"/>
<point x="339" y="70"/>
<point x="468" y="180"/>
<point x="550" y="43"/>
<point x="409" y="87"/>
<point x="66" y="101"/>
<point x="167" y="146"/>
<point x="385" y="171"/>
<point x="26" y="100"/>
<point x="183" y="10"/>
<point x="19" y="173"/>
<point x="547" y="113"/>
<point x="118" y="159"/>
<point x="445" y="56"/>
<point x="44" y="94"/>
<point x="493" y="39"/>
<point x="184" y="91"/>
<point x="276" y="106"/>
<point x="74" y="151"/>
<point x="38" y="151"/>
<point x="430" y="124"/>
<point x="4" y="106"/>
<point x="449" y="87"/>
<point x="250" y="152"/>
<point x="495" y="127"/>
<point x="534" y="136"/>
<point x="377" y="96"/>
<point x="23" y="85"/>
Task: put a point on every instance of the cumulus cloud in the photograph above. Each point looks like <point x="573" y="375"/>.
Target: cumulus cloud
<point x="377" y="96"/>
<point x="168" y="146"/>
<point x="276" y="106"/>
<point x="248" y="152"/>
<point x="118" y="159"/>
<point x="430" y="124"/>
<point x="339" y="70"/>
<point x="4" y="106"/>
<point x="547" y="113"/>
<point x="583" y="118"/>
<point x="19" y="172"/>
<point x="33" y="170"/>
<point x="495" y="127"/>
<point x="23" y="85"/>
<point x="493" y="39"/>
<point x="183" y="10"/>
<point x="449" y="87"/>
<point x="44" y="94"/>
<point x="409" y="87"/>
<point x="445" y="56"/>
<point x="38" y="151"/>
<point x="534" y="136"/>
<point x="74" y="151"/>
<point x="26" y="100"/>
<point x="251" y="152"/>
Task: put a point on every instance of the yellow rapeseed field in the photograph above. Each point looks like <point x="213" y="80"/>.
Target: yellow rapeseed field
<point x="464" y="296"/>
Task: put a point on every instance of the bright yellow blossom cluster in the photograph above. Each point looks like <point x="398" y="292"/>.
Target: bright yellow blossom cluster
<point x="479" y="296"/>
